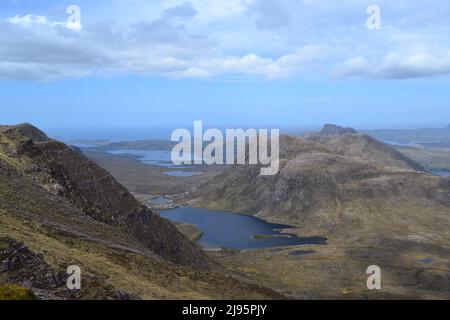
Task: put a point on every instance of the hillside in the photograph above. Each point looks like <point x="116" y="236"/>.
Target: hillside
<point x="373" y="204"/>
<point x="432" y="158"/>
<point x="322" y="172"/>
<point x="59" y="208"/>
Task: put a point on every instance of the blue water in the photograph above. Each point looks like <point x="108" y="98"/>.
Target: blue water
<point x="160" y="200"/>
<point x="182" y="173"/>
<point x="161" y="158"/>
<point x="82" y="145"/>
<point x="402" y="144"/>
<point x="442" y="173"/>
<point x="232" y="230"/>
<point x="426" y="260"/>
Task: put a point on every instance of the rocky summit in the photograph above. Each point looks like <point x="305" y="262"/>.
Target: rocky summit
<point x="334" y="130"/>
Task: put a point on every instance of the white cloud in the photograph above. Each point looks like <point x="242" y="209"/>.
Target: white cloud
<point x="204" y="39"/>
<point x="30" y="20"/>
<point x="27" y="20"/>
<point x="183" y="11"/>
<point x="398" y="65"/>
<point x="39" y="71"/>
<point x="253" y="64"/>
<point x="352" y="67"/>
<point x="46" y="51"/>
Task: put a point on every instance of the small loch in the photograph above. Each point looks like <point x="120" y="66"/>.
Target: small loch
<point x="237" y="231"/>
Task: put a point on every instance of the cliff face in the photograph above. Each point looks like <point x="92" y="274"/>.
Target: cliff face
<point x="332" y="130"/>
<point x="66" y="173"/>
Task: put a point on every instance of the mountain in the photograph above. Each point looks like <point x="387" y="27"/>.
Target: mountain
<point x="363" y="147"/>
<point x="59" y="208"/>
<point x="27" y="130"/>
<point x="321" y="172"/>
<point x="65" y="172"/>
<point x="373" y="204"/>
<point x="332" y="130"/>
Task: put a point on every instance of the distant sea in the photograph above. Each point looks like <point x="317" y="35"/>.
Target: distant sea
<point x="115" y="134"/>
<point x="110" y="134"/>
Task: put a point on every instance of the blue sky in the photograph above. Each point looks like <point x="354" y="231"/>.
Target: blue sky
<point x="136" y="63"/>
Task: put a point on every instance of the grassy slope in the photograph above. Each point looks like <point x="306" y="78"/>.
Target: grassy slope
<point x="135" y="273"/>
<point x="433" y="159"/>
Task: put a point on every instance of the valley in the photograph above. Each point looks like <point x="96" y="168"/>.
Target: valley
<point x="342" y="201"/>
<point x="372" y="203"/>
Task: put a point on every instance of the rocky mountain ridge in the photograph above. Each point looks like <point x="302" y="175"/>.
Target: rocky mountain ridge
<point x="69" y="174"/>
<point x="332" y="130"/>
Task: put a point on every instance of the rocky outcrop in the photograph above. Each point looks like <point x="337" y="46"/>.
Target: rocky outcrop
<point x="30" y="132"/>
<point x="334" y="130"/>
<point x="21" y="266"/>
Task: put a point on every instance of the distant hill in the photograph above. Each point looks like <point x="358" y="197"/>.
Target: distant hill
<point x="139" y="145"/>
<point x="407" y="136"/>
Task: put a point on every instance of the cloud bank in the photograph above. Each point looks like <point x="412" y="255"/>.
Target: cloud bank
<point x="257" y="38"/>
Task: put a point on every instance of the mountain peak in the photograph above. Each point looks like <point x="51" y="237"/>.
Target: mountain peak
<point x="334" y="130"/>
<point x="29" y="131"/>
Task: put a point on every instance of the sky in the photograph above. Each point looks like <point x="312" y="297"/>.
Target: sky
<point x="260" y="63"/>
